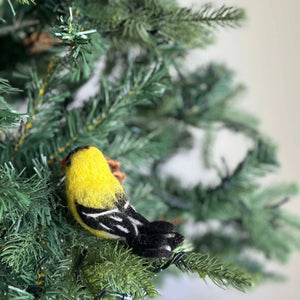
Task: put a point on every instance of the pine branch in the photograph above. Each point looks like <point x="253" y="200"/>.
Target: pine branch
<point x="258" y="161"/>
<point x="146" y="192"/>
<point x="208" y="93"/>
<point x="28" y="2"/>
<point x="221" y="274"/>
<point x="8" y="116"/>
<point x="125" y="147"/>
<point x="231" y="245"/>
<point x="149" y="22"/>
<point x="105" y="113"/>
<point x="5" y="30"/>
<point x="223" y="16"/>
<point x="139" y="116"/>
<point x="112" y="267"/>
<point x="241" y="205"/>
<point x="222" y="201"/>
<point x="6" y="88"/>
<point x="83" y="44"/>
<point x="16" y="293"/>
<point x="24" y="202"/>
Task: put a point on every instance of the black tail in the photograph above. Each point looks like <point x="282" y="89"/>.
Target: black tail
<point x="149" y="239"/>
<point x="156" y="240"/>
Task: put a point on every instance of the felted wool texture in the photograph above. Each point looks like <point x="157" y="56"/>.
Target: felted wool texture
<point x="98" y="202"/>
<point x="89" y="182"/>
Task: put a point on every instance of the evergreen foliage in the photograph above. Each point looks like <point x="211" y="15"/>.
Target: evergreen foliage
<point x="8" y="117"/>
<point x="139" y="114"/>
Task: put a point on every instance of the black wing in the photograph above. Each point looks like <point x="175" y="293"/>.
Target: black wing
<point x="150" y="239"/>
<point x="122" y="221"/>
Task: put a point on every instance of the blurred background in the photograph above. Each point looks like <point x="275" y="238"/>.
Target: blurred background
<point x="264" y="54"/>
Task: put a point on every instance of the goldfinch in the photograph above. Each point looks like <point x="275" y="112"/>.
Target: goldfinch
<point x="98" y="202"/>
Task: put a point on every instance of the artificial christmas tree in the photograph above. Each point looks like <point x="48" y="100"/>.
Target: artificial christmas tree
<point x="138" y="113"/>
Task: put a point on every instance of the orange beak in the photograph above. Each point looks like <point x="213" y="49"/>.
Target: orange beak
<point x="63" y="162"/>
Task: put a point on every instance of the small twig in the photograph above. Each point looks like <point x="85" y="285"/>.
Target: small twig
<point x="79" y="262"/>
<point x="16" y="26"/>
<point x="176" y="260"/>
<point x="278" y="204"/>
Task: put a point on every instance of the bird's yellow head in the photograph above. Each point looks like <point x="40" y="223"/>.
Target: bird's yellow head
<point x="89" y="178"/>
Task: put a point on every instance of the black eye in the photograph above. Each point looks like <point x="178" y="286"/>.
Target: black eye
<point x="68" y="161"/>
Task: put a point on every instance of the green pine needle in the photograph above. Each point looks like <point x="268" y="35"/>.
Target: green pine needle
<point x="112" y="267"/>
<point x="221" y="274"/>
<point x="145" y="103"/>
<point x="8" y="116"/>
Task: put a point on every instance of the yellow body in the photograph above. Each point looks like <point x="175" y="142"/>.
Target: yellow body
<point x="89" y="182"/>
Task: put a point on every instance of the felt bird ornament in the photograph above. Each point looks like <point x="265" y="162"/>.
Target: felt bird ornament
<point x="98" y="202"/>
